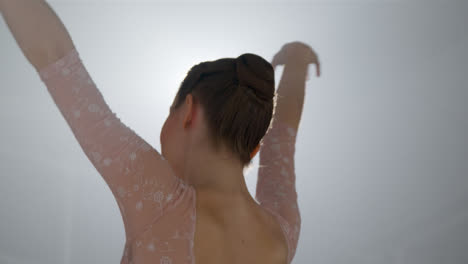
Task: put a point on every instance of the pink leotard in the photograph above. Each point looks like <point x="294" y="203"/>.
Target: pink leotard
<point x="158" y="208"/>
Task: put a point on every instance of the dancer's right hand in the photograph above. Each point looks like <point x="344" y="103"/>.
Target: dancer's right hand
<point x="297" y="53"/>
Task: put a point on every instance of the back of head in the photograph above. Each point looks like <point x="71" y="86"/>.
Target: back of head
<point x="238" y="98"/>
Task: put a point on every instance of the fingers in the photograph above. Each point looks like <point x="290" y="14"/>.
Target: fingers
<point x="296" y="51"/>
<point x="275" y="61"/>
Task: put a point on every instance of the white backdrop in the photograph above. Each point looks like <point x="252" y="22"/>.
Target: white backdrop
<point x="382" y="149"/>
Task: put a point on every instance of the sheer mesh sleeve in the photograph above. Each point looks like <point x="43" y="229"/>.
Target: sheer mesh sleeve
<point x="276" y="189"/>
<point x="140" y="179"/>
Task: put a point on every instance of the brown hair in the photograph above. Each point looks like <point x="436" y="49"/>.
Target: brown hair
<point x="238" y="98"/>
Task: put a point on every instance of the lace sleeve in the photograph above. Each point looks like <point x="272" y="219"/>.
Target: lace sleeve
<point x="140" y="179"/>
<point x="276" y="189"/>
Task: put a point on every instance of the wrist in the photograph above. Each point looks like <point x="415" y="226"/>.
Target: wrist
<point x="296" y="68"/>
<point x="297" y="59"/>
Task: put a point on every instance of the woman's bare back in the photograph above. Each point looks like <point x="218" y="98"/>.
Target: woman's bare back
<point x="242" y="232"/>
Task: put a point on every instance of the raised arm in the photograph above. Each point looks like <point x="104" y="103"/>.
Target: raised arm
<point x="276" y="189"/>
<point x="296" y="58"/>
<point x="140" y="179"/>
<point x="39" y="33"/>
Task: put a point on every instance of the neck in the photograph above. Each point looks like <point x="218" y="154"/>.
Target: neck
<point x="214" y="173"/>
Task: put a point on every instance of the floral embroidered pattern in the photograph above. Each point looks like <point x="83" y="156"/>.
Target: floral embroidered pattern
<point x="158" y="209"/>
<point x="136" y="173"/>
<point x="276" y="181"/>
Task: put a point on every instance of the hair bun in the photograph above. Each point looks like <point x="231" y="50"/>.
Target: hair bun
<point x="257" y="75"/>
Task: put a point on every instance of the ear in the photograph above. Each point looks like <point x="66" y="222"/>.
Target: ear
<point x="190" y="111"/>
